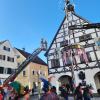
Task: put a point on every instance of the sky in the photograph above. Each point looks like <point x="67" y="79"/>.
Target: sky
<point x="25" y="22"/>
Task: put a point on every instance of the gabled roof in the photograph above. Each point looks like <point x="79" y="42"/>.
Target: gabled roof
<point x="36" y="60"/>
<point x="60" y="28"/>
<point x="1" y="42"/>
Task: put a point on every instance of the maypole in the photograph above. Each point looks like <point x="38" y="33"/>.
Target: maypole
<point x="68" y="9"/>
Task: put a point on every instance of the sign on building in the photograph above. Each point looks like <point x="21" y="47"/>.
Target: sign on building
<point x="85" y="37"/>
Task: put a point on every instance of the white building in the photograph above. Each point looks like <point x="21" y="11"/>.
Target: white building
<point x="8" y="62"/>
<point x="60" y="66"/>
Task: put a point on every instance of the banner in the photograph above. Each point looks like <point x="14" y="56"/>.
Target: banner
<point x="82" y="55"/>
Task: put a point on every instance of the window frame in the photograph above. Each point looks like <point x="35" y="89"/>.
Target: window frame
<point x="55" y="63"/>
<point x="24" y="73"/>
<point x="9" y="71"/>
<point x="1" y="70"/>
<point x="6" y="48"/>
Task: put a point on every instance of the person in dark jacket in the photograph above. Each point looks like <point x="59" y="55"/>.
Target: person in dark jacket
<point x="87" y="94"/>
<point x="78" y="92"/>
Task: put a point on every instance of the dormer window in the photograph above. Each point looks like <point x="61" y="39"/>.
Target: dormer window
<point x="6" y="48"/>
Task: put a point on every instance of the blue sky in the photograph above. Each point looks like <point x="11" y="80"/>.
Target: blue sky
<point x="25" y="22"/>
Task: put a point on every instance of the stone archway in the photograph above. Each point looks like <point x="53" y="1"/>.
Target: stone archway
<point x="65" y="79"/>
<point x="97" y="80"/>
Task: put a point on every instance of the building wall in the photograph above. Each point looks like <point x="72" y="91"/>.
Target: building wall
<point x="54" y="80"/>
<point x="5" y="63"/>
<point x="8" y="53"/>
<point x="89" y="78"/>
<point x="31" y="77"/>
<point x="55" y="51"/>
<point x="90" y="73"/>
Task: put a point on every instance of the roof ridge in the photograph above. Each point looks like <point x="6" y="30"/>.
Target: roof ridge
<point x="36" y="60"/>
<point x="1" y="42"/>
<point x="60" y="27"/>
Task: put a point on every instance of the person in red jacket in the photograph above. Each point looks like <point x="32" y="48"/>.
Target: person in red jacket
<point x="1" y="96"/>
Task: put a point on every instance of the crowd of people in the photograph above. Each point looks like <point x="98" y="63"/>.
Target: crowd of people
<point x="79" y="93"/>
<point x="9" y="93"/>
<point x="83" y="93"/>
<point x="50" y="94"/>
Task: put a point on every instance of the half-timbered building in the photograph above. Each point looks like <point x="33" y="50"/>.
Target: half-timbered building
<point x="77" y="50"/>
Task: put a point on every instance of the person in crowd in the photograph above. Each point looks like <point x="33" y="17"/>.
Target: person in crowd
<point x="45" y="94"/>
<point x="12" y="95"/>
<point x="87" y="94"/>
<point x="33" y="91"/>
<point x="27" y="93"/>
<point x="53" y="89"/>
<point x="49" y="95"/>
<point x="64" y="91"/>
<point x="67" y="91"/>
<point x="9" y="91"/>
<point x="53" y="93"/>
<point x="27" y="96"/>
<point x="5" y="92"/>
<point x="78" y="92"/>
<point x="1" y="96"/>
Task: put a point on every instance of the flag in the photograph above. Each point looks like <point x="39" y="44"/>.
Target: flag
<point x="71" y="56"/>
<point x="45" y="85"/>
<point x="85" y="56"/>
<point x="64" y="57"/>
<point x="68" y="57"/>
<point x="82" y="54"/>
<point x="16" y="85"/>
<point x="79" y="51"/>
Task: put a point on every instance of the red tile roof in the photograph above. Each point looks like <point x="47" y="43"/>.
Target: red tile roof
<point x="36" y="60"/>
